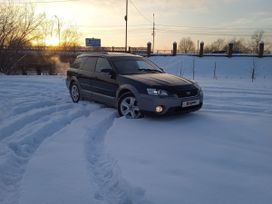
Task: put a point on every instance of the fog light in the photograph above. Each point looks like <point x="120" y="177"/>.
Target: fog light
<point x="159" y="109"/>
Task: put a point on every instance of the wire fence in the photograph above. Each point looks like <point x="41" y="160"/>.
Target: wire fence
<point x="133" y="50"/>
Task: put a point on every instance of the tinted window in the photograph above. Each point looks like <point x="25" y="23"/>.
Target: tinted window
<point x="76" y="64"/>
<point x="88" y="63"/>
<point x="102" y="65"/>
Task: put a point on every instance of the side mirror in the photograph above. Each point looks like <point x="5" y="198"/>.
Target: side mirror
<point x="113" y="74"/>
<point x="110" y="72"/>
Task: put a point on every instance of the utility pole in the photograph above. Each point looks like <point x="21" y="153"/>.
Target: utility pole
<point x="126" y="19"/>
<point x="153" y="33"/>
<point x="58" y="27"/>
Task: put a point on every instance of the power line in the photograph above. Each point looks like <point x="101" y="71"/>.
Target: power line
<point x="215" y="28"/>
<point x="138" y="10"/>
<point x="206" y="33"/>
<point x="39" y="2"/>
<point x="146" y="31"/>
<point x="199" y="32"/>
<point x="110" y="34"/>
<point x="139" y="29"/>
<point x="179" y="28"/>
<point x="214" y="31"/>
<point x="114" y="26"/>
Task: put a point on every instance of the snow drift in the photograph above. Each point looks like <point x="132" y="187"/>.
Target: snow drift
<point x="54" y="151"/>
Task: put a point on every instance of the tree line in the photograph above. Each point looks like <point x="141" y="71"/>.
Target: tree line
<point x="220" y="45"/>
<point x="21" y="26"/>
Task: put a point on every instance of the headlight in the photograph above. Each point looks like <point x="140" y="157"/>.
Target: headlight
<point x="156" y="92"/>
<point x="200" y="92"/>
<point x="196" y="85"/>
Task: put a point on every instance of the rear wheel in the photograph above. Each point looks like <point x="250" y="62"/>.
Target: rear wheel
<point x="74" y="92"/>
<point x="128" y="107"/>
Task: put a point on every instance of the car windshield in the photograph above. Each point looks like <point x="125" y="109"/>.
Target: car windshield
<point x="134" y="65"/>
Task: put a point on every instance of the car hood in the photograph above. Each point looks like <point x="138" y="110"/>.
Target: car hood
<point x="159" y="79"/>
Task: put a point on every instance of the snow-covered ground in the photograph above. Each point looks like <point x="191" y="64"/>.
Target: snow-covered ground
<point x="53" y="151"/>
<point x="217" y="67"/>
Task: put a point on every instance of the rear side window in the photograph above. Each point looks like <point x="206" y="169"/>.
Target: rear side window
<point x="76" y="64"/>
<point x="102" y="65"/>
<point x="88" y="63"/>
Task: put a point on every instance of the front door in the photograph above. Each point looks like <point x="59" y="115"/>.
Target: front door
<point x="105" y="84"/>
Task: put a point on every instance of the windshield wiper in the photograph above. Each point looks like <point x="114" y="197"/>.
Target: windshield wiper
<point x="150" y="70"/>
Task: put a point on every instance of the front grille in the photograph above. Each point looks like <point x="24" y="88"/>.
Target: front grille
<point x="179" y="109"/>
<point x="187" y="93"/>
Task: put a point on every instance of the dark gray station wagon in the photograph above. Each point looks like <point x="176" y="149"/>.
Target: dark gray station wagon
<point x="132" y="84"/>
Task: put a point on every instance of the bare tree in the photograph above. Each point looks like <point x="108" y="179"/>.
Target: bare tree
<point x="218" y="45"/>
<point x="239" y="46"/>
<point x="70" y="37"/>
<point x="256" y="38"/>
<point x="186" y="45"/>
<point x="268" y="48"/>
<point x="18" y="27"/>
<point x="45" y="31"/>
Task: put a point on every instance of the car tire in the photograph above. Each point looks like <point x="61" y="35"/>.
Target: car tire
<point x="75" y="92"/>
<point x="127" y="106"/>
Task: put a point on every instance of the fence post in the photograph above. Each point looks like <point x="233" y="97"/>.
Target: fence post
<point x="129" y="49"/>
<point x="112" y="48"/>
<point x="201" y="50"/>
<point x="194" y="68"/>
<point x="148" y="49"/>
<point x="174" y="49"/>
<point x="230" y="50"/>
<point x="214" y="71"/>
<point x="253" y="70"/>
<point x="261" y="49"/>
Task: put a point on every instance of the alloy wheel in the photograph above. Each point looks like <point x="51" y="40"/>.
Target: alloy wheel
<point x="75" y="93"/>
<point x="129" y="108"/>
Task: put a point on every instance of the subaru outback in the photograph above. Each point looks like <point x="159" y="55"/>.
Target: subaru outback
<point x="132" y="84"/>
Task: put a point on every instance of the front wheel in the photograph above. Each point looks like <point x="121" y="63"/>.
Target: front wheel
<point x="127" y="106"/>
<point x="74" y="92"/>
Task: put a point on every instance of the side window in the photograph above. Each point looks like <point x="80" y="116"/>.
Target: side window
<point x="88" y="63"/>
<point x="76" y="64"/>
<point x="103" y="65"/>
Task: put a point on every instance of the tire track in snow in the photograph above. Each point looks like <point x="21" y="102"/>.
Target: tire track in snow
<point x="22" y="94"/>
<point x="24" y="104"/>
<point x="66" y="170"/>
<point x="4" y="109"/>
<point x="18" y="153"/>
<point x="15" y="123"/>
<point x="104" y="170"/>
<point x="30" y="106"/>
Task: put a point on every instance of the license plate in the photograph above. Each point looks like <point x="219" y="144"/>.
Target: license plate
<point x="190" y="103"/>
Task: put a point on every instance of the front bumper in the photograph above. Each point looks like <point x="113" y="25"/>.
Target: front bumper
<point x="149" y="103"/>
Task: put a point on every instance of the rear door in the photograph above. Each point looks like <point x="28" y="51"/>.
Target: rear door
<point x="73" y="71"/>
<point x="86" y="75"/>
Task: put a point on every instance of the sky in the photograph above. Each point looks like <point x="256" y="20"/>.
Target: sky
<point x="202" y="20"/>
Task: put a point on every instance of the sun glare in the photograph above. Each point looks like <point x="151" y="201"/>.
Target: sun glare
<point x="52" y="41"/>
